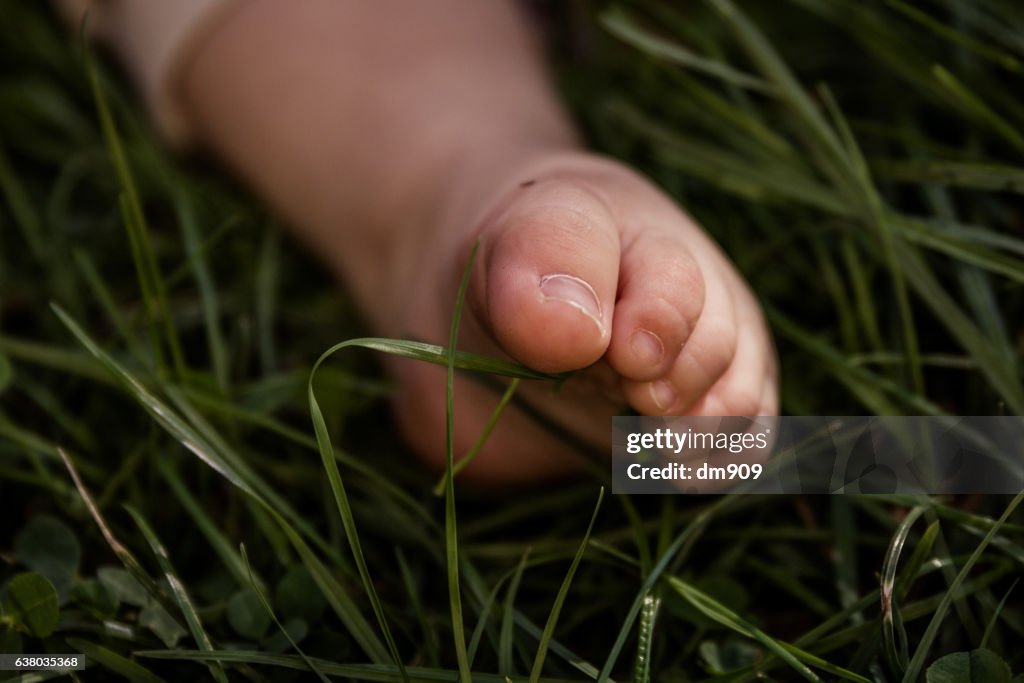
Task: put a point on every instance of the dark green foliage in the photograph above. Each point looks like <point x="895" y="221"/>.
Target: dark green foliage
<point x="47" y="546"/>
<point x="977" y="666"/>
<point x="31" y="604"/>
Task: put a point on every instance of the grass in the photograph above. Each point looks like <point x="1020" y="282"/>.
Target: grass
<point x="162" y="349"/>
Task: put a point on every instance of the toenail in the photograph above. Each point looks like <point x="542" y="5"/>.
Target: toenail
<point x="575" y="292"/>
<point x="647" y="346"/>
<point x="663" y="394"/>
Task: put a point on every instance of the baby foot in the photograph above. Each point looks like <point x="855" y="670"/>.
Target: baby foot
<point x="582" y="265"/>
<point x="393" y="136"/>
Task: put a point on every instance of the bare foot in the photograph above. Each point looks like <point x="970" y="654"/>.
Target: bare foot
<point x="582" y="264"/>
<point x="394" y="135"/>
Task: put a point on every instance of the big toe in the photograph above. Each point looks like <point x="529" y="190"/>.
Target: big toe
<point x="549" y="270"/>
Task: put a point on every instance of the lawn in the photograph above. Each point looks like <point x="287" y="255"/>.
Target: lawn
<point x="171" y="510"/>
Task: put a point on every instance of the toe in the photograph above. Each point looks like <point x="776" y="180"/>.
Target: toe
<point x="661" y="295"/>
<point x="550" y="270"/>
<point x="706" y="355"/>
<point x="749" y="386"/>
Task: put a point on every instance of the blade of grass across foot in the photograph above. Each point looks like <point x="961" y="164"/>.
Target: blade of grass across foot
<point x="451" y="538"/>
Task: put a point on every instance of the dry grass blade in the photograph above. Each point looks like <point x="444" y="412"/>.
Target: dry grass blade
<point x="126" y="557"/>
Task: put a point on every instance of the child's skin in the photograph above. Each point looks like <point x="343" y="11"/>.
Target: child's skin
<point x="392" y="135"/>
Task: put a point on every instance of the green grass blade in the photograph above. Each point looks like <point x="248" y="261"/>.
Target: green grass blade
<point x="268" y="494"/>
<point x="640" y="540"/>
<point x="434" y="354"/>
<point x="482" y="623"/>
<point x="990" y="628"/>
<point x="1003" y="59"/>
<point x="244" y="415"/>
<point x="845" y="557"/>
<point x="912" y="568"/>
<point x="269" y="526"/>
<point x="822" y="642"/>
<point x="970" y="175"/>
<point x="106" y="300"/>
<point x="438" y="355"/>
<point x="864" y="303"/>
<point x="976" y="107"/>
<point x="266" y="277"/>
<point x="214" y="536"/>
<point x="970" y="521"/>
<point x="793" y="585"/>
<point x="871" y="389"/>
<point x="6" y="372"/>
<point x="718" y="612"/>
<point x="832" y="282"/>
<point x="917" y="662"/>
<point x="323" y="438"/>
<point x="24" y="214"/>
<point x="732" y="171"/>
<point x="506" y="641"/>
<point x="687" y="535"/>
<point x="208" y="296"/>
<point x="160" y="411"/>
<point x="894" y="637"/>
<point x="492" y="422"/>
<point x="571" y="658"/>
<point x="195" y="435"/>
<point x="337" y="597"/>
<point x="428" y="636"/>
<point x="955" y="246"/>
<point x="874" y="214"/>
<point x="645" y="639"/>
<point x="563" y="591"/>
<point x="451" y="537"/>
<point x="706" y="103"/>
<point x="180" y="274"/>
<point x="106" y="657"/>
<point x="55" y="358"/>
<point x="266" y="605"/>
<point x="620" y="25"/>
<point x="478" y="591"/>
<point x="768" y="61"/>
<point x="1003" y="377"/>
<point x="150" y="281"/>
<point x="178" y="590"/>
<point x="50" y="405"/>
<point x="357" y="672"/>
